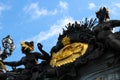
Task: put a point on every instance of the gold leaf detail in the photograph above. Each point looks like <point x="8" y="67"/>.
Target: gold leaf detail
<point x="66" y="40"/>
<point x="68" y="54"/>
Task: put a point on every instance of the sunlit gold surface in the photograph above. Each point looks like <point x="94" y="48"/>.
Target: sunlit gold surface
<point x="31" y="48"/>
<point x="65" y="40"/>
<point x="68" y="54"/>
<point x="3" y="66"/>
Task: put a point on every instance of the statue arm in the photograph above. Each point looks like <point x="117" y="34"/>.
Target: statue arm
<point x="115" y="23"/>
<point x="13" y="63"/>
<point x="44" y="53"/>
<point x="40" y="56"/>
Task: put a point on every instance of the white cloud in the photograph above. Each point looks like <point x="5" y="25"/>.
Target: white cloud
<point x="91" y="6"/>
<point x="63" y="5"/>
<point x="3" y="7"/>
<point x="115" y="10"/>
<point x="117" y="5"/>
<point x="54" y="30"/>
<point x="35" y="11"/>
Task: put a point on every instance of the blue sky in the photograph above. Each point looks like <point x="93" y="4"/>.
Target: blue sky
<point x="42" y="20"/>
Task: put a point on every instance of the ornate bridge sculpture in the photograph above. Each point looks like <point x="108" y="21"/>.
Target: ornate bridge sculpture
<point x="84" y="46"/>
<point x="86" y="50"/>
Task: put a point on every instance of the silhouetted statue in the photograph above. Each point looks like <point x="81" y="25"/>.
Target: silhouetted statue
<point x="79" y="44"/>
<point x="103" y="30"/>
<point x="30" y="60"/>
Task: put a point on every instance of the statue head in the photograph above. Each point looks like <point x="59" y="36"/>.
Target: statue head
<point x="27" y="46"/>
<point x="102" y="14"/>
